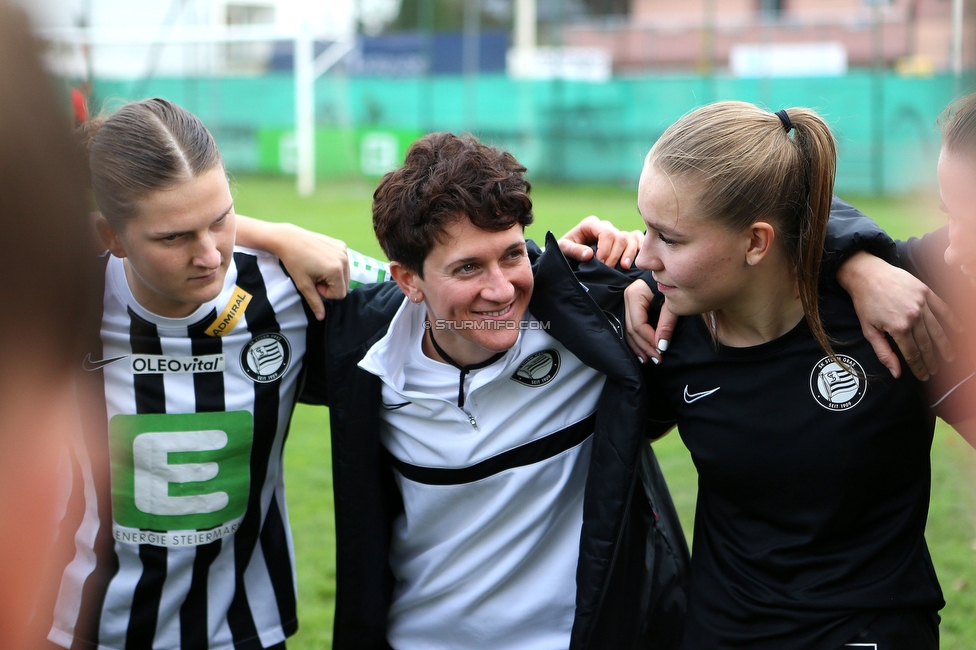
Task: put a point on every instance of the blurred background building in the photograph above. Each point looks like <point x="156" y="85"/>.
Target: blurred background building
<point x="911" y="35"/>
<point x="578" y="89"/>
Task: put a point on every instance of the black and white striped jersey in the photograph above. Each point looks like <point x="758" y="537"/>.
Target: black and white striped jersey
<point x="188" y="545"/>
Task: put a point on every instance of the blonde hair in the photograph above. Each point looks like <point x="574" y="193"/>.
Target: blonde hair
<point x="958" y="123"/>
<point x="755" y="165"/>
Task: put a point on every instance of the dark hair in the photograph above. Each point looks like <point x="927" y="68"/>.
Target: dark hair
<point x="958" y="122"/>
<point x="144" y="147"/>
<point x="443" y="179"/>
<point x="751" y="167"/>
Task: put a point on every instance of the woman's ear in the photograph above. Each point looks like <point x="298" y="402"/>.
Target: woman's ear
<point x="108" y="235"/>
<point x="761" y="237"/>
<point x="409" y="281"/>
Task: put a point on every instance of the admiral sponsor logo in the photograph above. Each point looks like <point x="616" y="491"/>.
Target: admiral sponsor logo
<point x="538" y="369"/>
<point x="161" y="364"/>
<point x="232" y="313"/>
<point x="265" y="358"/>
<point x="836" y="387"/>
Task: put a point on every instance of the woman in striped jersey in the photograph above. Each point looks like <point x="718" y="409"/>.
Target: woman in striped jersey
<point x="193" y="377"/>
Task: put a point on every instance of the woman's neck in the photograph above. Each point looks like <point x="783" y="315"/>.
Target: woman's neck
<point x="769" y="308"/>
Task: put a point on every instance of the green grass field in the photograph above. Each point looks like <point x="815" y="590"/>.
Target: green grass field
<point x="343" y="210"/>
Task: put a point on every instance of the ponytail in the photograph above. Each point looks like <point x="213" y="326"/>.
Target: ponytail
<point x="819" y="165"/>
<point x="760" y="165"/>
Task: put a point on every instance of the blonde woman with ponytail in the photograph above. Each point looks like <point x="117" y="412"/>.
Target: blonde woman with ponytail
<point x="813" y="460"/>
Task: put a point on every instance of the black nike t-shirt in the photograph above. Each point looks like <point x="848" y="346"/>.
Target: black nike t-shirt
<point x="813" y="485"/>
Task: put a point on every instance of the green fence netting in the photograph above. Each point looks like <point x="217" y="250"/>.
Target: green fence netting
<point x="561" y="130"/>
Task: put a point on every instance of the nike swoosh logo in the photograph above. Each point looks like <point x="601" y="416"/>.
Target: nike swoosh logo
<point x="91" y="366"/>
<point x="694" y="397"/>
<point x="393" y="407"/>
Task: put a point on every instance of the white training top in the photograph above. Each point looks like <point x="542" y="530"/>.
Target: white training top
<point x="485" y="553"/>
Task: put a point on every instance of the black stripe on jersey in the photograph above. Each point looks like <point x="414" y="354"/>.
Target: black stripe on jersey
<point x="208" y="387"/>
<point x="92" y="401"/>
<point x="150" y="398"/>
<point x="208" y="390"/>
<point x="527" y="454"/>
<point x="260" y="319"/>
<point x="144" y="339"/>
<point x="145" y="601"/>
<point x="272" y="538"/>
<point x="193" y="611"/>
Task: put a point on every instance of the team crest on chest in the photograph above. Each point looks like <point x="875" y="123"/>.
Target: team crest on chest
<point x="835" y="387"/>
<point x="265" y="357"/>
<point x="538" y="369"/>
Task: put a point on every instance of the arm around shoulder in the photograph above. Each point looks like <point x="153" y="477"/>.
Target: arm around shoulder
<point x="317" y="263"/>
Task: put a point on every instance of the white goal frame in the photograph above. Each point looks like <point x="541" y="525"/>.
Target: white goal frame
<point x="307" y="67"/>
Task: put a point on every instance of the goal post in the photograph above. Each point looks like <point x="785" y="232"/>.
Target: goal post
<point x="307" y="67"/>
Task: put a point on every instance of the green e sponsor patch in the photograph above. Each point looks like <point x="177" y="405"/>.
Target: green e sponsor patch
<point x="180" y="471"/>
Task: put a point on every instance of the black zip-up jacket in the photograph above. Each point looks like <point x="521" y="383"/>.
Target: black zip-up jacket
<point x="633" y="561"/>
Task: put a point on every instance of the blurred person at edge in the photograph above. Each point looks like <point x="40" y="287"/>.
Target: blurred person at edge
<point x="48" y="279"/>
<point x="946" y="261"/>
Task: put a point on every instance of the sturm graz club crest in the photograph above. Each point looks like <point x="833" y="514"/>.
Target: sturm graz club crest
<point x="838" y="387"/>
<point x="538" y="369"/>
<point x="265" y="357"/>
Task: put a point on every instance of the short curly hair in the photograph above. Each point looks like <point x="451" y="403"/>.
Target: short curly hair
<point x="443" y="179"/>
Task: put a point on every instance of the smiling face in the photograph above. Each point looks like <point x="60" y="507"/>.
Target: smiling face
<point x="957" y="185"/>
<point x="177" y="250"/>
<point x="479" y="283"/>
<point x="699" y="265"/>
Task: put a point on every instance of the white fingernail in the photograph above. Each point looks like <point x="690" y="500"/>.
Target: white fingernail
<point x="641" y="359"/>
<point x="654" y="359"/>
<point x="662" y="346"/>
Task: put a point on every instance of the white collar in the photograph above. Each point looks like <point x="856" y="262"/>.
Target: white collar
<point x="387" y="357"/>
